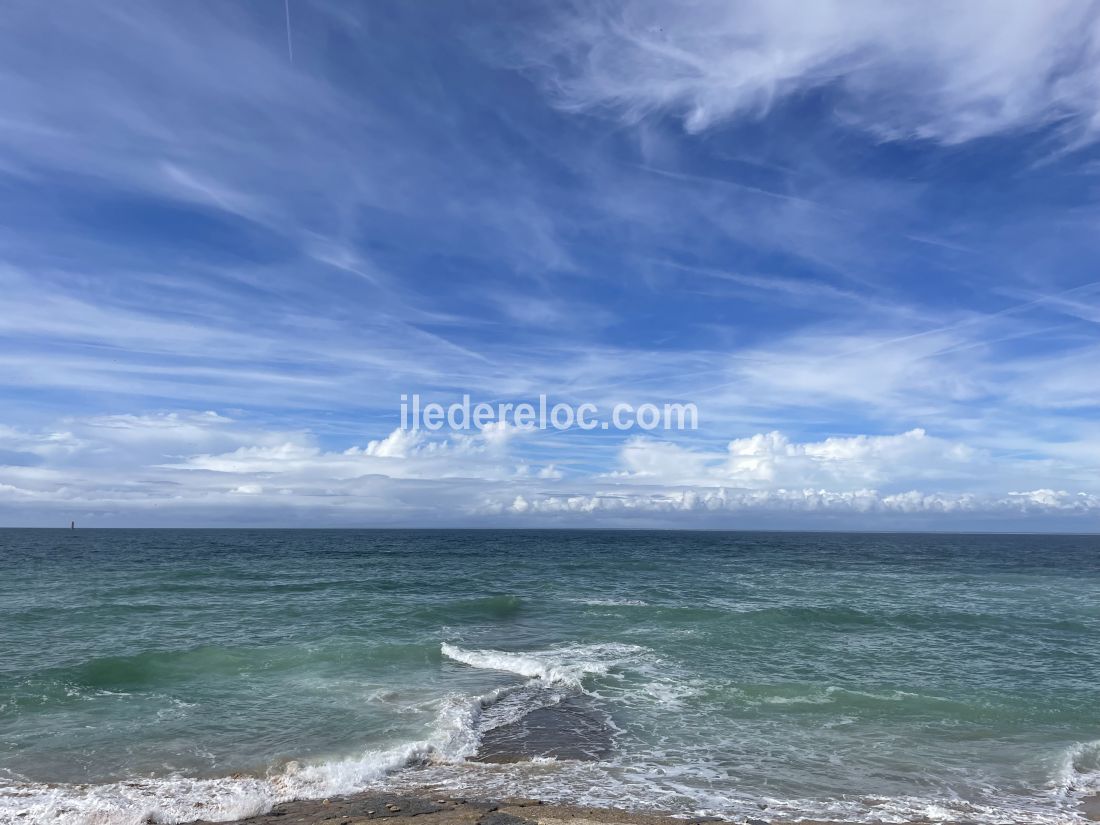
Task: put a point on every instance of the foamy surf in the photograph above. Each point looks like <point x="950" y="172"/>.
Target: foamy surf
<point x="566" y="665"/>
<point x="1077" y="775"/>
<point x="455" y="735"/>
<point x="180" y="799"/>
<point x="616" y="784"/>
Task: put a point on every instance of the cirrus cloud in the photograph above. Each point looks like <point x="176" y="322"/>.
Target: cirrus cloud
<point x="944" y="71"/>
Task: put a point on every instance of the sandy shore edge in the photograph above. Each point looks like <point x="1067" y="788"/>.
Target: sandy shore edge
<point x="433" y="809"/>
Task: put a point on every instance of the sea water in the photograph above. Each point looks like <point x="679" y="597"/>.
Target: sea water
<point x="177" y="674"/>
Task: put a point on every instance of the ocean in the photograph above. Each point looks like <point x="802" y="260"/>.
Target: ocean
<point x="177" y="674"/>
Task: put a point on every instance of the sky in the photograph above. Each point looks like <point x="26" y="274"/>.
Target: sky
<point x="860" y="237"/>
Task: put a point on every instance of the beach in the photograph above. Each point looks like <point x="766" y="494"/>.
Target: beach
<point x="433" y="809"/>
<point x="430" y="809"/>
<point x="169" y="676"/>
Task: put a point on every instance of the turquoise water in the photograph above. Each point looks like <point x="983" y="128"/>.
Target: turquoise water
<point x="174" y="674"/>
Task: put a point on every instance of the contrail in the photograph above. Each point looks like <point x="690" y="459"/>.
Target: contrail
<point x="289" y="42"/>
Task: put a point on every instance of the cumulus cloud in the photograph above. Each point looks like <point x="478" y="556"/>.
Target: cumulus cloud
<point x="401" y="454"/>
<point x="177" y="467"/>
<point x="944" y="71"/>
<point x="803" y="501"/>
<point x="170" y="467"/>
<point x="773" y="459"/>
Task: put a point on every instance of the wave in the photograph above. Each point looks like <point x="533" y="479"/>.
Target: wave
<point x="181" y="799"/>
<point x="546" y="676"/>
<point x="454" y="736"/>
<point x="567" y="665"/>
<point x="1077" y="774"/>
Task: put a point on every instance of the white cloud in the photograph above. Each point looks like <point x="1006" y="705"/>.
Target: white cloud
<point x="803" y="501"/>
<point x="403" y="454"/>
<point x="174" y="467"/>
<point x="397" y="444"/>
<point x="773" y="459"/>
<point x="861" y="459"/>
<point x="946" y="71"/>
<point x="322" y="331"/>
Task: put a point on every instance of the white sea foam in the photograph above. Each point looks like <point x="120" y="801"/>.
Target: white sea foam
<point x="638" y="780"/>
<point x="1077" y="773"/>
<point x="696" y="789"/>
<point x="454" y="737"/>
<point x="669" y="692"/>
<point x="566" y="665"/>
<point x="833" y="693"/>
<point x="593" y="784"/>
<point x="135" y="802"/>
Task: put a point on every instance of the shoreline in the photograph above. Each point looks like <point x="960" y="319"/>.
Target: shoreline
<point x="436" y="809"/>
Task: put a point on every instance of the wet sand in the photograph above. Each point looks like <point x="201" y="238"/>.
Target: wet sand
<point x="359" y="809"/>
<point x="429" y="809"/>
<point x="1090" y="807"/>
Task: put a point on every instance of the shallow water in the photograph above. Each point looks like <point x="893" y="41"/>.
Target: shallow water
<point x="177" y="674"/>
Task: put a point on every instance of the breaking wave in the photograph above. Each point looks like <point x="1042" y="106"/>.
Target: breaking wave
<point x="454" y="736"/>
<point x="567" y="665"/>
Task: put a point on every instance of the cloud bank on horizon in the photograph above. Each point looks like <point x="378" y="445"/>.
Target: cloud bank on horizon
<point x="861" y="237"/>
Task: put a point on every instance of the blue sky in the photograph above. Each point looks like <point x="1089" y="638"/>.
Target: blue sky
<point x="860" y="237"/>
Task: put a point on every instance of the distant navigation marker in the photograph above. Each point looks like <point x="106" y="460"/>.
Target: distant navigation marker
<point x="72" y="525"/>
